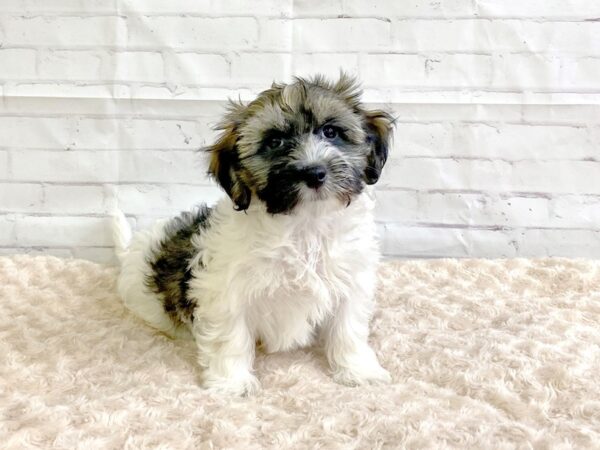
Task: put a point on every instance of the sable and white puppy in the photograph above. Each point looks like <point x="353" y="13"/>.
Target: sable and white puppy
<point x="289" y="258"/>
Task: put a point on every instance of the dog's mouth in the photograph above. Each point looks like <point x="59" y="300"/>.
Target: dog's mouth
<point x="291" y="185"/>
<point x="317" y="193"/>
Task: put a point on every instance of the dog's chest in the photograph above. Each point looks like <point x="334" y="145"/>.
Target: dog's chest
<point x="298" y="290"/>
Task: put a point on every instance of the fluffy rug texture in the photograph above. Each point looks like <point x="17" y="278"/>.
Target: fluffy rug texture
<point x="484" y="354"/>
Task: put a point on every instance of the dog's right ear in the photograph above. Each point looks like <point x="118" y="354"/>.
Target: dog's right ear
<point x="225" y="167"/>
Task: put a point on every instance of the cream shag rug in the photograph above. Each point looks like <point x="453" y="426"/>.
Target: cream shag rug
<point x="484" y="354"/>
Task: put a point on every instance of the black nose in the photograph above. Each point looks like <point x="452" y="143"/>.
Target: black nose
<point x="314" y="176"/>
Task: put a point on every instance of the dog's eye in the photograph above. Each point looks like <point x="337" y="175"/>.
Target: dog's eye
<point x="274" y="142"/>
<point x="330" y="132"/>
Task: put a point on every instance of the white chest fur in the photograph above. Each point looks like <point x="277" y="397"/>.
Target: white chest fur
<point x="285" y="274"/>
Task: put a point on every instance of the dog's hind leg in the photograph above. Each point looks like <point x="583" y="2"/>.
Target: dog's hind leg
<point x="132" y="284"/>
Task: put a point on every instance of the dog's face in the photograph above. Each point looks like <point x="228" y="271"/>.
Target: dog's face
<point x="302" y="142"/>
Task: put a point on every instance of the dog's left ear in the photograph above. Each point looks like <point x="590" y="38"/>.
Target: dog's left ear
<point x="379" y="126"/>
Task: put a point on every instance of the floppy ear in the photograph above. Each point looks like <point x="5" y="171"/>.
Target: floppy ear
<point x="224" y="166"/>
<point x="379" y="125"/>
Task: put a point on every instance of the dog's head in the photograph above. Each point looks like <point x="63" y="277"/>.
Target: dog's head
<point x="306" y="141"/>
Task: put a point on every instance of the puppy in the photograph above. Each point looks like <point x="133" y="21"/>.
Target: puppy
<point x="288" y="259"/>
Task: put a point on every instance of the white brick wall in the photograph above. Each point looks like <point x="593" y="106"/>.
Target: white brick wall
<point x="497" y="148"/>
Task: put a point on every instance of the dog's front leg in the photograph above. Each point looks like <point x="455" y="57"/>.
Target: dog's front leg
<point x="226" y="353"/>
<point x="346" y="344"/>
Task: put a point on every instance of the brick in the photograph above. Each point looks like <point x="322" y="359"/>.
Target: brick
<point x="307" y="8"/>
<point x="155" y="109"/>
<point x="579" y="73"/>
<point x="260" y="68"/>
<point x="441" y="71"/>
<point x="549" y="9"/>
<point x="56" y="231"/>
<point x="572" y="37"/>
<point x="193" y="32"/>
<point x="7" y="230"/>
<point x="497" y="36"/>
<point x="494" y="141"/>
<point x="527" y="71"/>
<point x="137" y="66"/>
<point x="423" y="139"/>
<point x="146" y="222"/>
<point x="49" y="132"/>
<point x="439" y="35"/>
<point x="105" y="133"/>
<point x="185" y="197"/>
<point x="564" y="243"/>
<point x="20" y="197"/>
<point x="101" y="255"/>
<point x="326" y="35"/>
<point x="58" y="6"/>
<point x="3" y="165"/>
<point x="276" y="35"/>
<point x="594" y="132"/>
<point x="195" y="68"/>
<point x="561" y="114"/>
<point x="483" y="209"/>
<point x="161" y="134"/>
<point x="214" y="8"/>
<point x="577" y="177"/>
<point x="517" y="142"/>
<point x="143" y="199"/>
<point x="447" y="8"/>
<point x="393" y="69"/>
<point x="418" y="241"/>
<point x="396" y="206"/>
<point x="328" y="64"/>
<point x="95" y="133"/>
<point x="255" y="8"/>
<point x="491" y="243"/>
<point x="65" y="166"/>
<point x="70" y="65"/>
<point x="452" y="71"/>
<point x="17" y="64"/>
<point x="74" y="200"/>
<point x="403" y="241"/>
<point x="68" y="31"/>
<point x="452" y="112"/>
<point x="576" y="211"/>
<point x="473" y="209"/>
<point x="493" y="176"/>
<point x="65" y="105"/>
<point x="53" y="89"/>
<point x="160" y="6"/>
<point x="166" y="167"/>
<point x="164" y="201"/>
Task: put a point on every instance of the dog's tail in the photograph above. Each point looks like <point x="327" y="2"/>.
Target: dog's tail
<point x="121" y="232"/>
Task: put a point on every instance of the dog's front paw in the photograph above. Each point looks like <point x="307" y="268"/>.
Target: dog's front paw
<point x="240" y="386"/>
<point x="357" y="376"/>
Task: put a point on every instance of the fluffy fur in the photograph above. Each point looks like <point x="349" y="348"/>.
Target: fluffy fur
<point x="484" y="354"/>
<point x="289" y="258"/>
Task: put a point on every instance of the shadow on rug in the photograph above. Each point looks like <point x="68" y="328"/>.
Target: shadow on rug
<point x="483" y="354"/>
